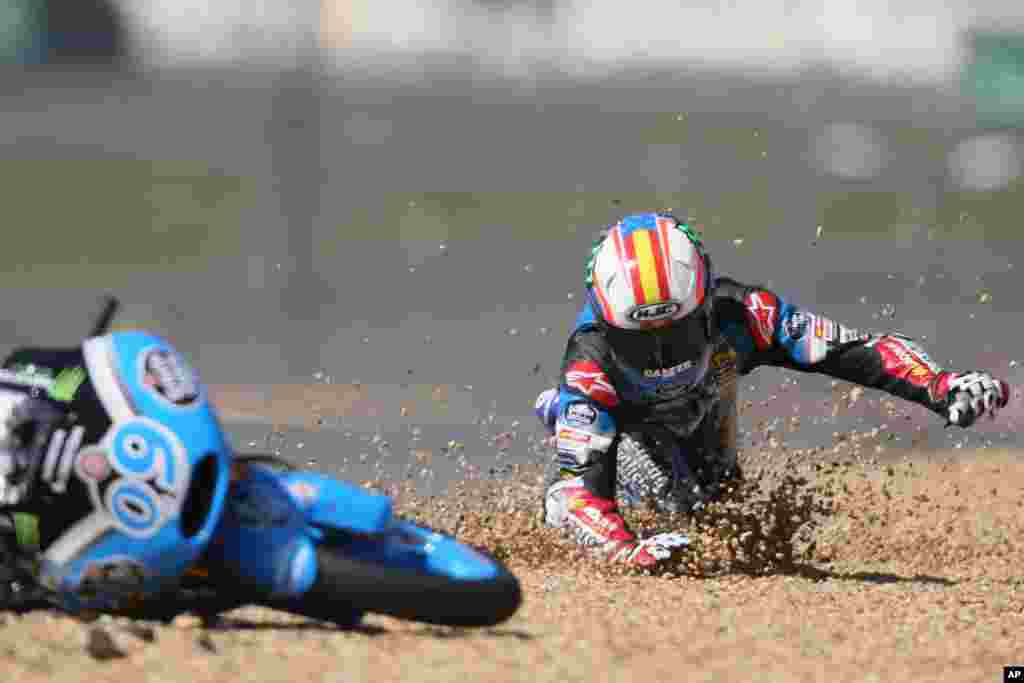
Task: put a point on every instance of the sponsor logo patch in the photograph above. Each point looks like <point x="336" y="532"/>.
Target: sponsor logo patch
<point x="587" y="378"/>
<point x="66" y="385"/>
<point x="762" y="314"/>
<point x="580" y="414"/>
<point x="668" y="372"/>
<point x="847" y="335"/>
<point x="573" y="436"/>
<point x="900" y="360"/>
<point x="651" y="312"/>
<point x="168" y="376"/>
<point x="31" y="371"/>
<point x="796" y="325"/>
<point x="820" y="333"/>
<point x="573" y="443"/>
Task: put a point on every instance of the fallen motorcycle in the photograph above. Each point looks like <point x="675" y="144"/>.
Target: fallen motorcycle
<point x="256" y="530"/>
<point x="277" y="518"/>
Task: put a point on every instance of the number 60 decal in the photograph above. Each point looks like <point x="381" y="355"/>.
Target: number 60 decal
<point x="147" y="476"/>
<point x="135" y="507"/>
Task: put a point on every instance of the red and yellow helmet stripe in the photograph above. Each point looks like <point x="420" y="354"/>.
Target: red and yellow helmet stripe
<point x="643" y="255"/>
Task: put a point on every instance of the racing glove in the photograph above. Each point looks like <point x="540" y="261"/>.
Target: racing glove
<point x="650" y="551"/>
<point x="965" y="397"/>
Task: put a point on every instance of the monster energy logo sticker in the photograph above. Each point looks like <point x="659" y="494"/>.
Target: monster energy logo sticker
<point x="26" y="530"/>
<point x="32" y="370"/>
<point x="63" y="387"/>
<point x="32" y="378"/>
<point x="66" y="384"/>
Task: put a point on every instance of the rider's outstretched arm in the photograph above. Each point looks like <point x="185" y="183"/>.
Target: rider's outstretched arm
<point x="582" y="414"/>
<point x="767" y="330"/>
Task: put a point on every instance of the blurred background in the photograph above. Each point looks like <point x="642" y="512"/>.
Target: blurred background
<point x="401" y="194"/>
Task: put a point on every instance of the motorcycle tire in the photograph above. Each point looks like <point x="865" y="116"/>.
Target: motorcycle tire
<point x="346" y="587"/>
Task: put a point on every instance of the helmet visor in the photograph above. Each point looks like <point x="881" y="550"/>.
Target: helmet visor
<point x="689" y="334"/>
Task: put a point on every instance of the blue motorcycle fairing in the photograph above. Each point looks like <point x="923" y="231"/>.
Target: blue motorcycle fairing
<point x="139" y="477"/>
<point x="410" y="546"/>
<point x="274" y="520"/>
<point x="262" y="537"/>
<point x="447" y="556"/>
<point x="382" y="538"/>
<point x="334" y="504"/>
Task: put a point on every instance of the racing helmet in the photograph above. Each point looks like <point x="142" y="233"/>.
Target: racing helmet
<point x="144" y="475"/>
<point x="650" y="271"/>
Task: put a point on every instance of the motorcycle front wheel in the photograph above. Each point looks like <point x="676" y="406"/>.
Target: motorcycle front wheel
<point x="409" y="573"/>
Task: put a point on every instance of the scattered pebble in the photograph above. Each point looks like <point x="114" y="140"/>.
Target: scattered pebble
<point x="206" y="643"/>
<point x="101" y="645"/>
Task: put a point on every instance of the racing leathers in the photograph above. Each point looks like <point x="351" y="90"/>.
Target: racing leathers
<point x="681" y="382"/>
